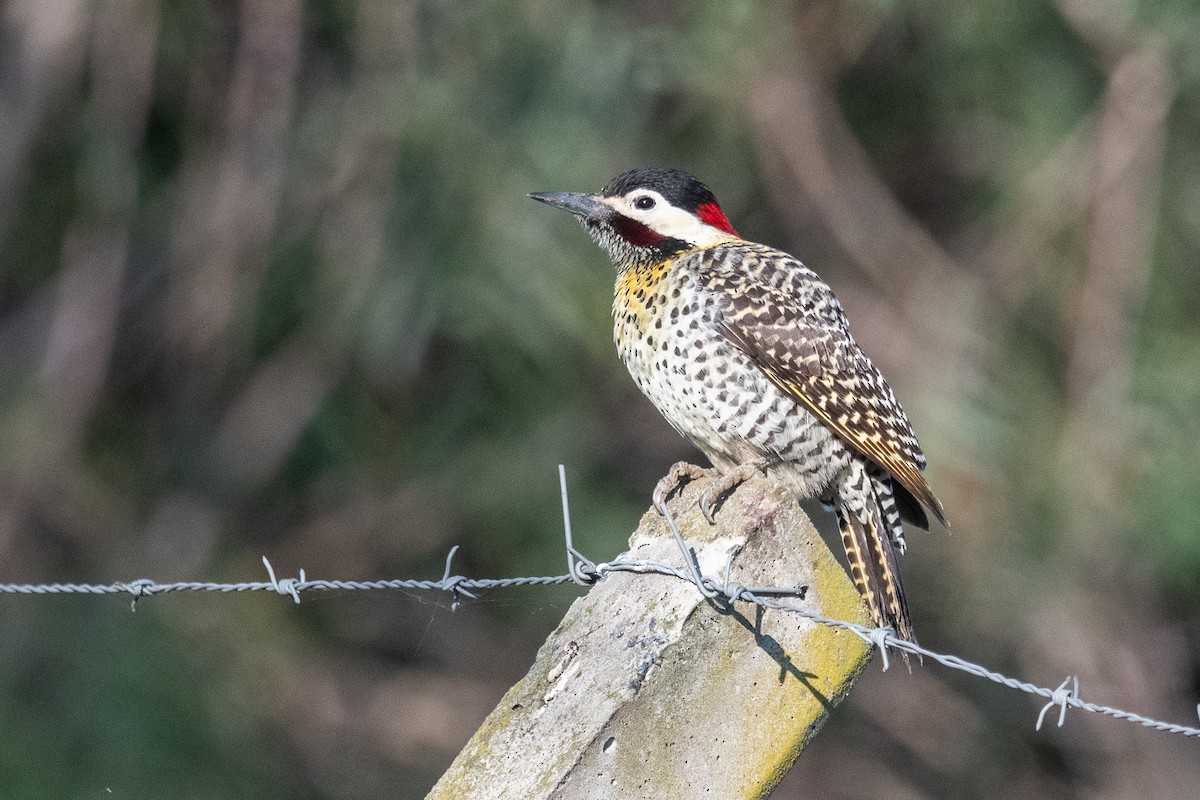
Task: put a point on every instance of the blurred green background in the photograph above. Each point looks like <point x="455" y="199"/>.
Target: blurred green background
<point x="269" y="284"/>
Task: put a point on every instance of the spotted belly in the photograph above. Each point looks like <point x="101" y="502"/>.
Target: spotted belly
<point x="711" y="393"/>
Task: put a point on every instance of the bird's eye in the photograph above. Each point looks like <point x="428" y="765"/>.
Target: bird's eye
<point x="644" y="203"/>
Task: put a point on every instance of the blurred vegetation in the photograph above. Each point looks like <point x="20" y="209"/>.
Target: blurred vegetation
<point x="269" y="283"/>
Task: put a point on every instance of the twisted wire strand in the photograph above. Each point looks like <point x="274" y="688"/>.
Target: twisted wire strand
<point x="584" y="571"/>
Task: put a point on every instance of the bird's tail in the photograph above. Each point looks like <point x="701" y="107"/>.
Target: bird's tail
<point x="870" y="526"/>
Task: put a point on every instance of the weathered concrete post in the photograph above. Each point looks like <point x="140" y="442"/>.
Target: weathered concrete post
<point x="648" y="690"/>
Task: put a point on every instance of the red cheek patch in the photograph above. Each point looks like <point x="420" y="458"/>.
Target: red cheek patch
<point x="635" y="232"/>
<point x="711" y="214"/>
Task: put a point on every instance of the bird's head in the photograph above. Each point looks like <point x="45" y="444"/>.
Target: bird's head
<point x="646" y="215"/>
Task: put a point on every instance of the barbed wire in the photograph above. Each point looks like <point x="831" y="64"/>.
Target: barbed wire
<point x="583" y="571"/>
<point x="458" y="585"/>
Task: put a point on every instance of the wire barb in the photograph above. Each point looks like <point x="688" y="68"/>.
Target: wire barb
<point x="581" y="568"/>
<point x="878" y="637"/>
<point x="288" y="586"/>
<point x="139" y="589"/>
<point x="1061" y="697"/>
<point x="705" y="585"/>
<point x="454" y="583"/>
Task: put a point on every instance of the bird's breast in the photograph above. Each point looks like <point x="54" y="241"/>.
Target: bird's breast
<point x="666" y="330"/>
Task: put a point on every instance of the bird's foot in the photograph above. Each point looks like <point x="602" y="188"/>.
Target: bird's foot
<point x="715" y="492"/>
<point x="681" y="472"/>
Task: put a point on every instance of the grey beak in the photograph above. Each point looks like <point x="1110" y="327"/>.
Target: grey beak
<point x="580" y="204"/>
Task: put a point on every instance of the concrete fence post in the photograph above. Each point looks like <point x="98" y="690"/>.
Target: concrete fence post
<point x="646" y="689"/>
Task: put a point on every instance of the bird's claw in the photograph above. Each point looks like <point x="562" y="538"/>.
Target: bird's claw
<point x="712" y="495"/>
<point x="708" y="504"/>
<point x="681" y="472"/>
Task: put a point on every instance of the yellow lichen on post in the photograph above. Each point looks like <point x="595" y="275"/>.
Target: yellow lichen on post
<point x="835" y="658"/>
<point x="647" y="689"/>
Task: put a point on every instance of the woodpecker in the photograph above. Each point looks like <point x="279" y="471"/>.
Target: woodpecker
<point x="748" y="354"/>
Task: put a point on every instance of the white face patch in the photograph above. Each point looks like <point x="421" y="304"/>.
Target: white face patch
<point x="652" y="210"/>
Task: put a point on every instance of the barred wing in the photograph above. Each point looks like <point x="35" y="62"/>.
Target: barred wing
<point x="794" y="330"/>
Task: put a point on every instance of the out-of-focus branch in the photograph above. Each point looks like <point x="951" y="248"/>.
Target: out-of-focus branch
<point x="263" y="423"/>
<point x="797" y="122"/>
<point x="360" y="193"/>
<point x="1052" y="197"/>
<point x="1124" y="175"/>
<point x="83" y="323"/>
<point x="225" y="228"/>
<point x="1125" y="171"/>
<point x="39" y="62"/>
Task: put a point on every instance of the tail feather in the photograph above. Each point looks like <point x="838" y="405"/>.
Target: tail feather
<point x="889" y="509"/>
<point x="874" y="564"/>
<point x="910" y="509"/>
